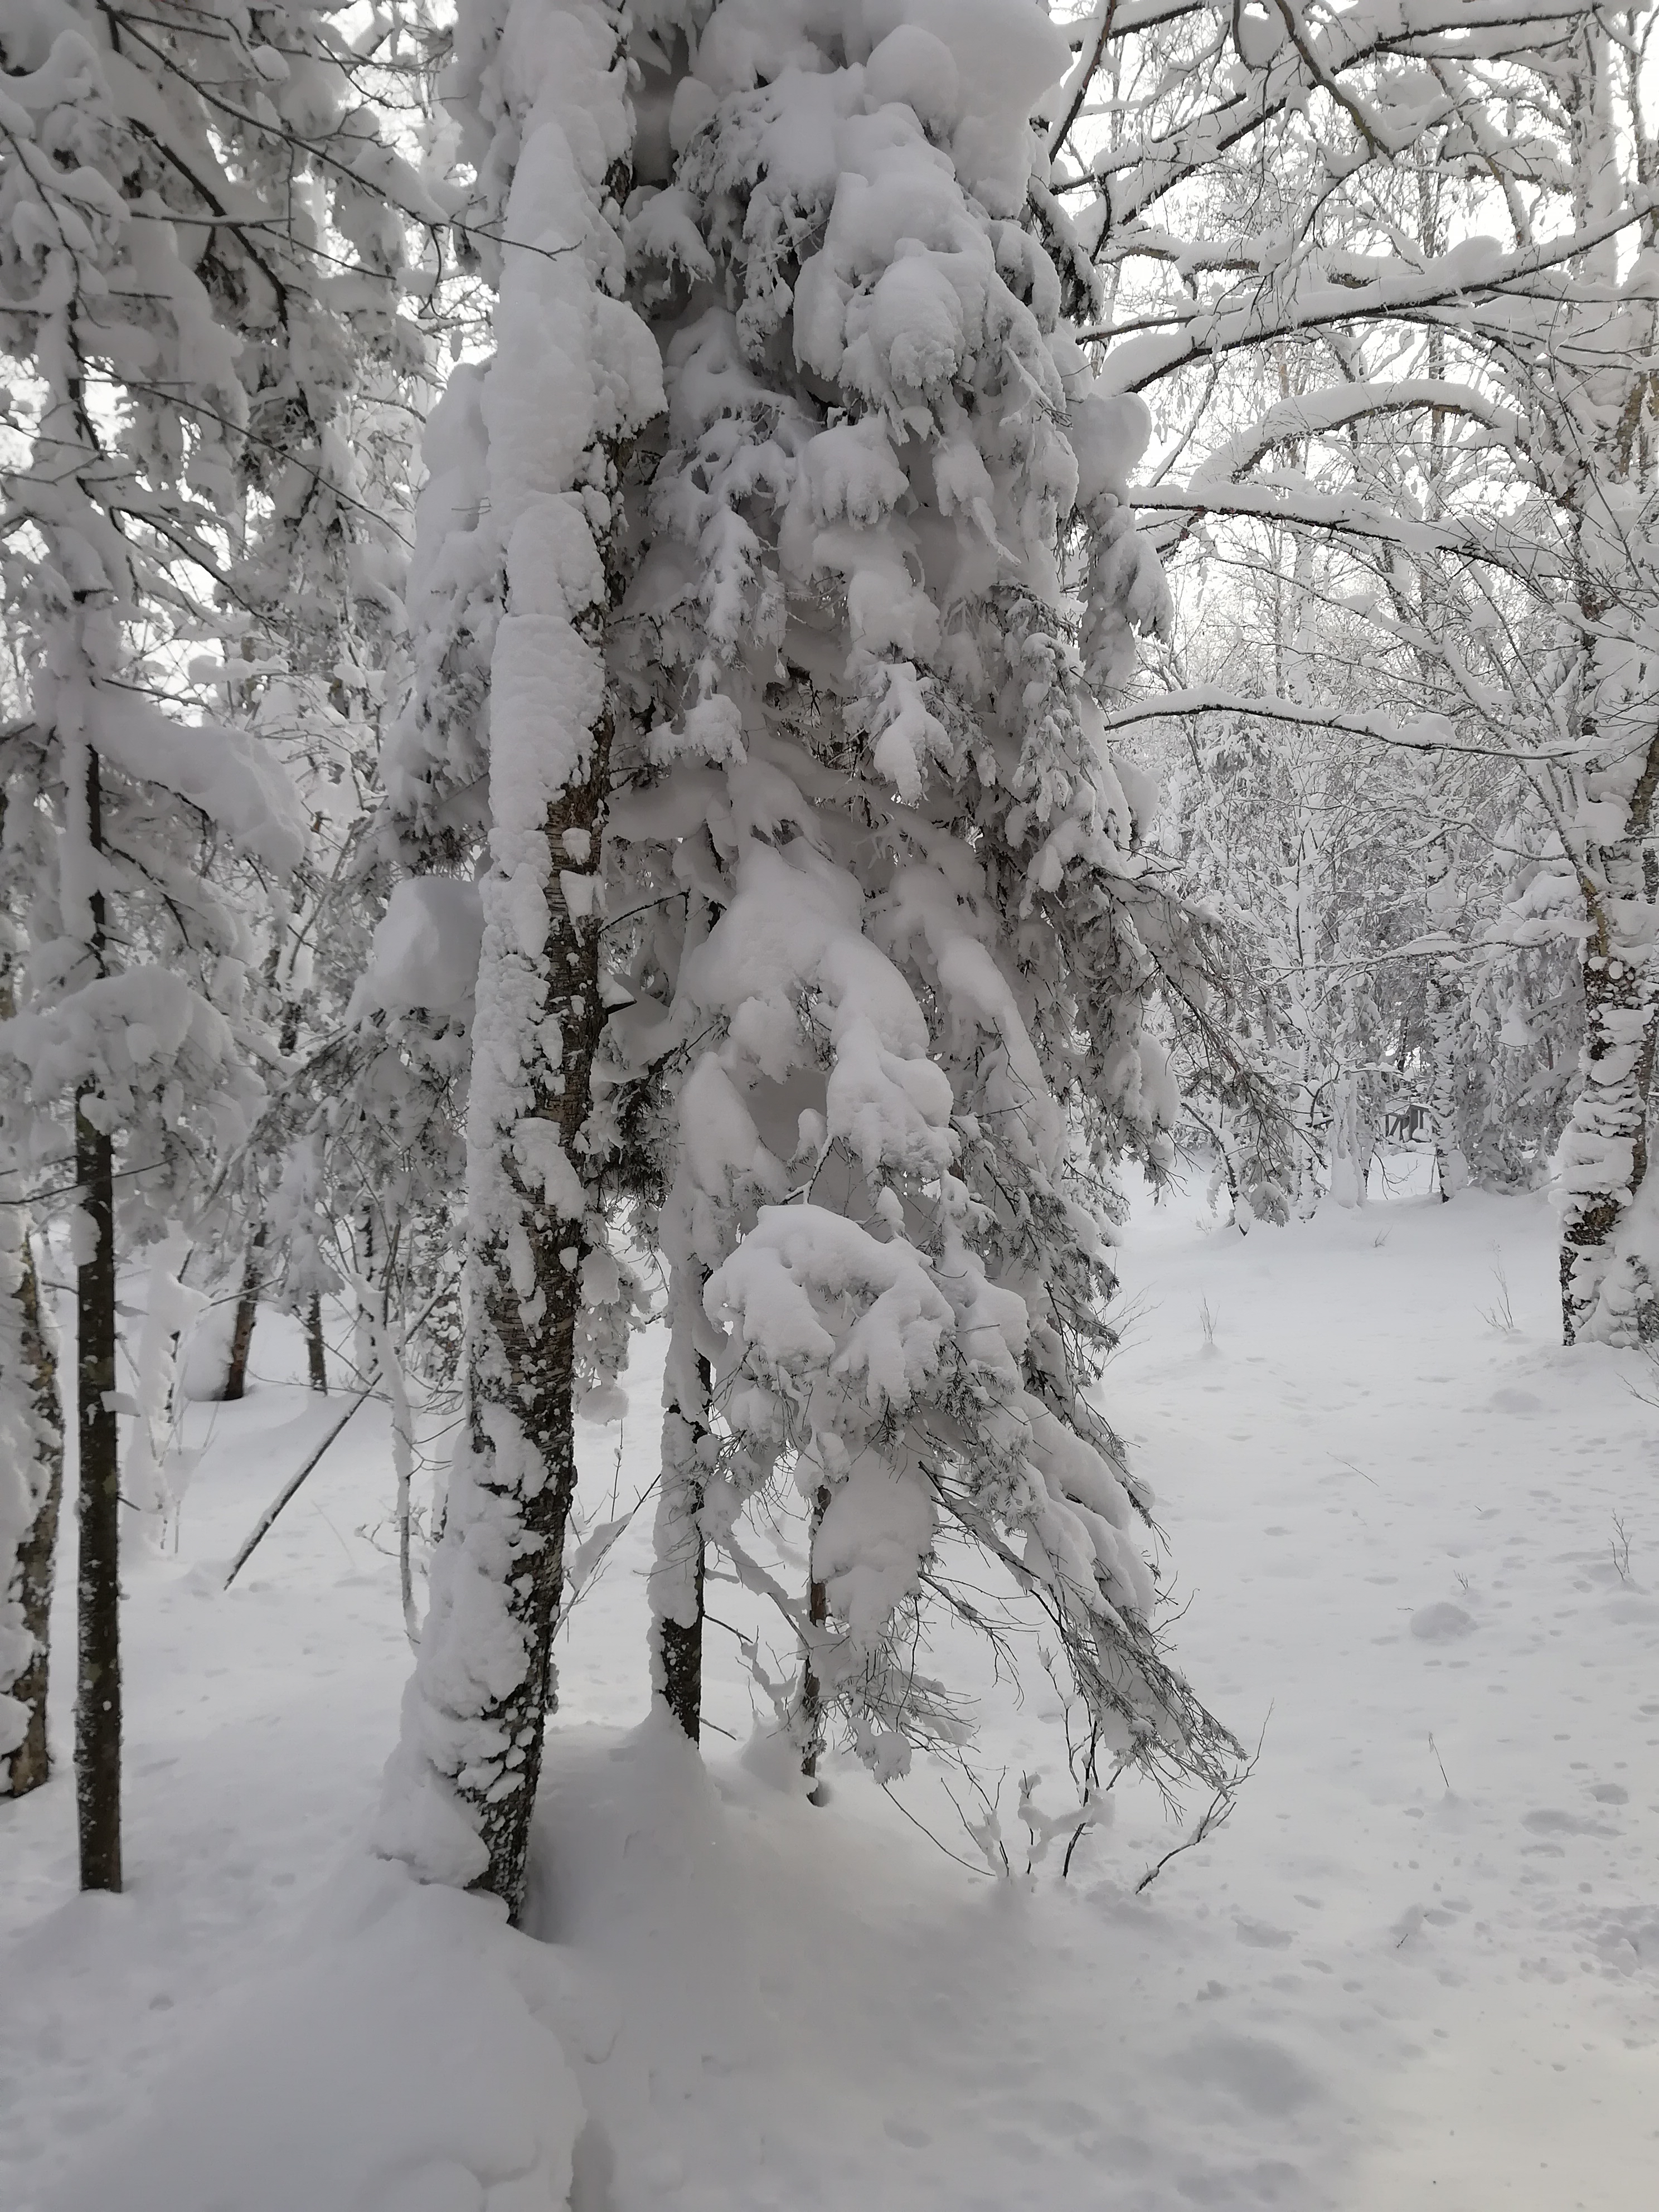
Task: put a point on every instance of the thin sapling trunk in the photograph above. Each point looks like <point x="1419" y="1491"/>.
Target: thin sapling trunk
<point x="98" y="1703"/>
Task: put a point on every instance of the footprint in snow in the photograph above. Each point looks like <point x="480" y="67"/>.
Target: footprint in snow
<point x="1550" y="1820"/>
<point x="1408" y="1924"/>
<point x="1259" y="2073"/>
<point x="1510" y="1401"/>
<point x="906" y="2132"/>
<point x="1442" y="1624"/>
<point x="1262" y="1935"/>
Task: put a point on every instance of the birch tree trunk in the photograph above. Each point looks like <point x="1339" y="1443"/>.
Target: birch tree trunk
<point x="1607" y="1293"/>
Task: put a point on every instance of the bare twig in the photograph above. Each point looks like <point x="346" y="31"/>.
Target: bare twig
<point x="267" y="1518"/>
<point x="1499" y="1314"/>
<point x="1216" y="1815"/>
<point x="955" y="1857"/>
<point x="1620" y="1548"/>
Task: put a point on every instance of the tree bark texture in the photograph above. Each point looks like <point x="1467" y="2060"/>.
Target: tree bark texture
<point x="810" y="1715"/>
<point x="27" y="1766"/>
<point x="247" y="1312"/>
<point x="678" y="1567"/>
<point x="316" y="1351"/>
<point x="531" y="1380"/>
<point x="1607" y="1293"/>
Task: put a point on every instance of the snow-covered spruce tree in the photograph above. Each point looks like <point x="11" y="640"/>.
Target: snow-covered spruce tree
<point x="180" y="355"/>
<point x="903" y="979"/>
<point x="541" y="91"/>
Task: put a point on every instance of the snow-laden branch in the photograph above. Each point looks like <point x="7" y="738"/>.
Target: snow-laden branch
<point x="1295" y="59"/>
<point x="1450" y="289"/>
<point x="1291" y="500"/>
<point x="1319" y="414"/>
<point x="1424" y="733"/>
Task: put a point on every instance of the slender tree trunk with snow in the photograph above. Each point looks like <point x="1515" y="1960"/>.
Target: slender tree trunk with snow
<point x="510" y="1497"/>
<point x="31" y="1491"/>
<point x="1445" y="993"/>
<point x="575" y="377"/>
<point x="1451" y="1168"/>
<point x="540" y="1018"/>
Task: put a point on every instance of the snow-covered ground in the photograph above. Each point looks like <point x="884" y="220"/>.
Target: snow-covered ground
<point x="1418" y="1965"/>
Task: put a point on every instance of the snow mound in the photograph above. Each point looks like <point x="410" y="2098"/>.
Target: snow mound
<point x="405" y="2064"/>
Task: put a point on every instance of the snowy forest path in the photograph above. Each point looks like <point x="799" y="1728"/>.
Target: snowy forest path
<point x="1420" y="1964"/>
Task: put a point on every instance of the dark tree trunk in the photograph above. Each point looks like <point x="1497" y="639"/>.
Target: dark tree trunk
<point x="678" y="1573"/>
<point x="98" y="1703"/>
<point x="316" y="1353"/>
<point x="362" y="1333"/>
<point x="247" y="1312"/>
<point x="811" y="1690"/>
<point x="27" y="1766"/>
<point x="682" y="1661"/>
